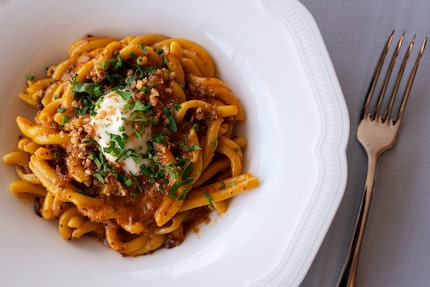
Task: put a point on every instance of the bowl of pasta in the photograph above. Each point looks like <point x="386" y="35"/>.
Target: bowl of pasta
<point x="151" y="143"/>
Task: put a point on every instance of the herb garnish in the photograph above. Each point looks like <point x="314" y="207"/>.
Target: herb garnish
<point x="104" y="168"/>
<point x="87" y="95"/>
<point x="124" y="94"/>
<point x="178" y="184"/>
<point x="120" y="77"/>
<point x="171" y="124"/>
<point x="209" y="198"/>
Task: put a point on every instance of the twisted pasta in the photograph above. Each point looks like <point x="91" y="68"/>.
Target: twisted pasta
<point x="132" y="143"/>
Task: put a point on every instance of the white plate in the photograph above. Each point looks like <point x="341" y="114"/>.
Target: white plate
<point x="272" y="55"/>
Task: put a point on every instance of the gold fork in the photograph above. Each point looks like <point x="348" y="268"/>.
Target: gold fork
<point x="377" y="132"/>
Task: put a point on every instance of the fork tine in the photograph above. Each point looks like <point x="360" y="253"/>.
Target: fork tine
<point x="410" y="82"/>
<point x="376" y="74"/>
<point x="388" y="75"/>
<point x="376" y="137"/>
<point x="398" y="79"/>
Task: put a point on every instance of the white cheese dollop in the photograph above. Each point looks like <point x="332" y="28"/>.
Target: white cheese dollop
<point x="108" y="120"/>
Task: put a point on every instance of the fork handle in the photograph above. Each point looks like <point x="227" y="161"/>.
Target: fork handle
<point x="349" y="272"/>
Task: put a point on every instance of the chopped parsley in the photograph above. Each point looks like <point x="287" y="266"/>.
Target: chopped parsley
<point x="177" y="185"/>
<point x="159" y="138"/>
<point x="87" y="95"/>
<point x="104" y="169"/>
<point x="214" y="146"/>
<point x="210" y="200"/>
<point x="64" y="120"/>
<point x="143" y="47"/>
<point x="184" y="146"/>
<point x="125" y="94"/>
<point x="121" y="76"/>
<point x="170" y="124"/>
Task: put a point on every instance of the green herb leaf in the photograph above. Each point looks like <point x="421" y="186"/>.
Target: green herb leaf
<point x="130" y="79"/>
<point x="75" y="76"/>
<point x="125" y="94"/>
<point x="171" y="124"/>
<point x="215" y="146"/>
<point x="209" y="198"/>
<point x="138" y="106"/>
<point x="196" y="127"/>
<point x="187" y="170"/>
<point x="145" y="90"/>
<point x="178" y="184"/>
<point x="143" y="47"/>
<point x="105" y="65"/>
<point x="64" y="120"/>
<point x="159" y="138"/>
<point x="99" y="177"/>
<point x="93" y="89"/>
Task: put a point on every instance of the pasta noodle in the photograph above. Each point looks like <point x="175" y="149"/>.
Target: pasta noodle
<point x="132" y="143"/>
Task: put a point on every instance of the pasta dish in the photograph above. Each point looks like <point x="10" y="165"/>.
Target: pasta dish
<point x="133" y="142"/>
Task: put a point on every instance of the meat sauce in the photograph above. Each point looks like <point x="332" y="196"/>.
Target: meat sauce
<point x="137" y="196"/>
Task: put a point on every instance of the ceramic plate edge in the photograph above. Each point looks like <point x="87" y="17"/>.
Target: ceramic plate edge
<point x="331" y="148"/>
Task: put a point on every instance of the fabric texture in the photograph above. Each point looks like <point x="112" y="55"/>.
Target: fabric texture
<point x="396" y="249"/>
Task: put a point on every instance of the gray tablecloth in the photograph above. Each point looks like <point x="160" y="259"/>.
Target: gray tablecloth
<point x="396" y="248"/>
